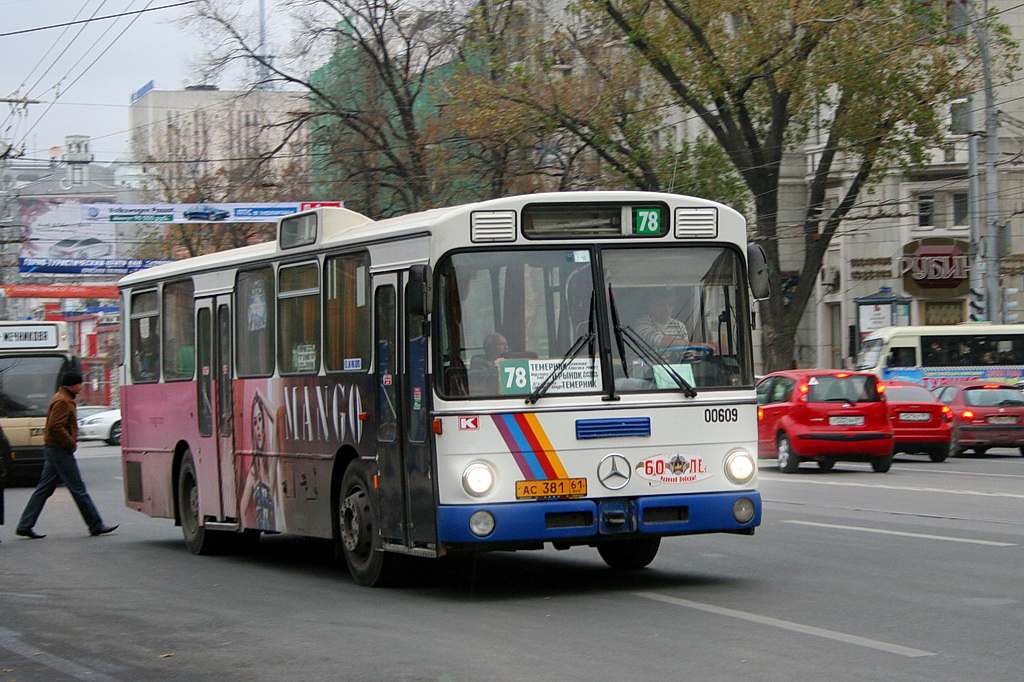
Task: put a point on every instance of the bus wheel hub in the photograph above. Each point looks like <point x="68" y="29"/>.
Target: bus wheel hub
<point x="355" y="532"/>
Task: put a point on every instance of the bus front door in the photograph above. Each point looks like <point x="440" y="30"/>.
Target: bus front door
<point x="401" y="407"/>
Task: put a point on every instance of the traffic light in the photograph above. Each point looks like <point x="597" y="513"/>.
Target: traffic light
<point x="976" y="305"/>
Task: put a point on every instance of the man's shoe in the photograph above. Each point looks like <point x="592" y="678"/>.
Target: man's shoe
<point x="103" y="530"/>
<point x="29" y="533"/>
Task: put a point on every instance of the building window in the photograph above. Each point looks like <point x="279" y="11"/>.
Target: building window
<point x="346" y="313"/>
<point x="145" y="338"/>
<point x="254" y="323"/>
<point x="179" y="331"/>
<point x="961" y="210"/>
<point x="958" y="113"/>
<point x="298" y="298"/>
<point x="925" y="210"/>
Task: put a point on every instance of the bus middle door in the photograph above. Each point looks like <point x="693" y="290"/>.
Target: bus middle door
<point x="206" y="450"/>
<point x="224" y="370"/>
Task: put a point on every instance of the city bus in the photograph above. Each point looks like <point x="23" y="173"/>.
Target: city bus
<point x="566" y="369"/>
<point x="33" y="357"/>
<point x="941" y="354"/>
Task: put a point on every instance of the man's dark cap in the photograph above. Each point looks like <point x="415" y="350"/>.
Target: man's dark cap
<point x="71" y="378"/>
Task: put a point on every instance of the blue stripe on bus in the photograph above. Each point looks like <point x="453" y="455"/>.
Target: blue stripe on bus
<point x="524" y="447"/>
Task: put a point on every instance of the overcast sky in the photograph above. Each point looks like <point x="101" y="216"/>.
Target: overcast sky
<point x="156" y="47"/>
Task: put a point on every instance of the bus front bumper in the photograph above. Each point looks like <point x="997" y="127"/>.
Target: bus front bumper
<point x="559" y="520"/>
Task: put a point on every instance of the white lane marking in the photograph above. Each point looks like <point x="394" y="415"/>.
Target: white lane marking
<point x="24" y="595"/>
<point x="881" y="486"/>
<point x="926" y="536"/>
<point x="10" y="640"/>
<point x="787" y="625"/>
<point x="939" y="471"/>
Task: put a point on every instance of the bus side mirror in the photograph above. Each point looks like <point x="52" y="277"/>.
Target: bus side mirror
<point x="757" y="272"/>
<point x="418" y="290"/>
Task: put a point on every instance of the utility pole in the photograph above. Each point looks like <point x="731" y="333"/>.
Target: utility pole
<point x="7" y="223"/>
<point x="977" y="310"/>
<point x="263" y="71"/>
<point x="7" y="150"/>
<point x="992" y="230"/>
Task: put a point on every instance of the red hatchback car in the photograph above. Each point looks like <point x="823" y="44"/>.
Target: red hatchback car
<point x="984" y="416"/>
<point x="920" y="422"/>
<point x="823" y="415"/>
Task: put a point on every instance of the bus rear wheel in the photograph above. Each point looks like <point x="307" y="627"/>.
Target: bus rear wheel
<point x="197" y="538"/>
<point x="356" y="520"/>
<point x="629" y="555"/>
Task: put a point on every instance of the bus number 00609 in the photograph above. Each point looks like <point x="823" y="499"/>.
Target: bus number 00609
<point x="721" y="414"/>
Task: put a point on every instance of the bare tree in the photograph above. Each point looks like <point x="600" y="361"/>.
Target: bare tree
<point x="371" y="112"/>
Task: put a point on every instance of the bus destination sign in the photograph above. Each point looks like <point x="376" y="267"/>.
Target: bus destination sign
<point x="28" y="336"/>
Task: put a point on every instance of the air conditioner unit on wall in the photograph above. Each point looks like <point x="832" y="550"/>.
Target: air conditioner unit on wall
<point x="829" y="277"/>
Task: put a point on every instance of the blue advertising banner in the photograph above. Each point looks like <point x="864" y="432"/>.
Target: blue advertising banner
<point x="83" y="266"/>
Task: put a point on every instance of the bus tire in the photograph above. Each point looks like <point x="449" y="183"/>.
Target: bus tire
<point x="197" y="538"/>
<point x="788" y="460"/>
<point x="881" y="465"/>
<point x="358" y="539"/>
<point x="629" y="555"/>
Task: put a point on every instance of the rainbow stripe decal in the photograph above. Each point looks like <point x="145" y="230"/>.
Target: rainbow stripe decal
<point x="529" y="445"/>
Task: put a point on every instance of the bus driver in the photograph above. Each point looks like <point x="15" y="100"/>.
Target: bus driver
<point x="657" y="327"/>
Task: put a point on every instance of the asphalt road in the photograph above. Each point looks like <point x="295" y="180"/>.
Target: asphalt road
<point x="912" y="575"/>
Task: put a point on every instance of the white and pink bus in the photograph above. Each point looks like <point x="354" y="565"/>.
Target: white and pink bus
<point x="570" y="368"/>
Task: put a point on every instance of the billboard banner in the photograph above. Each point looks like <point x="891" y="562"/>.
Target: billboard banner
<point x="195" y="213"/>
<point x="53" y="230"/>
<point x="85" y="266"/>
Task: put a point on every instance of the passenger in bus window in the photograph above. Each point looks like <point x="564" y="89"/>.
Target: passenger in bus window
<point x="145" y="359"/>
<point x="495" y="348"/>
<point x="657" y="326"/>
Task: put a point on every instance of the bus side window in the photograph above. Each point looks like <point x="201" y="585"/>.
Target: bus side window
<point x="902" y="357"/>
<point x="179" y="331"/>
<point x="145" y="337"/>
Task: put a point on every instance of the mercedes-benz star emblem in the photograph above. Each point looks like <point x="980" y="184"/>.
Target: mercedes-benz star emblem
<point x="613" y="471"/>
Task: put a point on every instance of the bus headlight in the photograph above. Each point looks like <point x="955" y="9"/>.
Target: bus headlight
<point x="740" y="467"/>
<point x="478" y="479"/>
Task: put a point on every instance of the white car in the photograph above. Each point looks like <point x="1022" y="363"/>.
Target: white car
<point x="103" y="426"/>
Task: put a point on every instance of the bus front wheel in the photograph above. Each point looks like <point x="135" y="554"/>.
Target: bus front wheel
<point x="197" y="538"/>
<point x="629" y="555"/>
<point x="357" y="534"/>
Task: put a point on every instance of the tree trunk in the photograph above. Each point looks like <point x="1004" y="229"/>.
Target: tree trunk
<point x="778" y="341"/>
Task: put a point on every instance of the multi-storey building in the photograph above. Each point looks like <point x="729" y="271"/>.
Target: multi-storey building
<point x="202" y="131"/>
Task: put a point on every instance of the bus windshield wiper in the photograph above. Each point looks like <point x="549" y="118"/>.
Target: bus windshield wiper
<point x="627" y="336"/>
<point x="587" y="339"/>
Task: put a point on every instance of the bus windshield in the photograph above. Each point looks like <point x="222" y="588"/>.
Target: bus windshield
<point x="685" y="303"/>
<point x="869" y="354"/>
<point x="27" y="383"/>
<point x="509" y="319"/>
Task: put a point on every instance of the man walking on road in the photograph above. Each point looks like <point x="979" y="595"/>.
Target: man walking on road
<point x="60" y="442"/>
